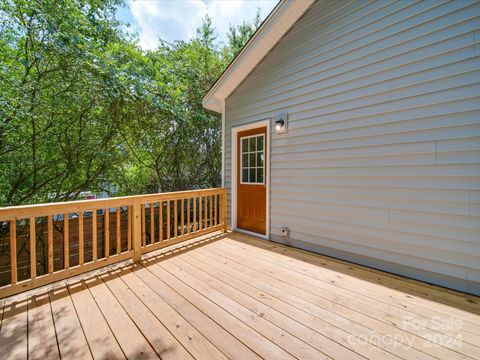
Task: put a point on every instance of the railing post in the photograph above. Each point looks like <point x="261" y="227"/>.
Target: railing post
<point x="224" y="210"/>
<point x="137" y="232"/>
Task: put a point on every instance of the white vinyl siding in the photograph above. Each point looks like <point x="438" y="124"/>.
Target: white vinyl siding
<point x="381" y="162"/>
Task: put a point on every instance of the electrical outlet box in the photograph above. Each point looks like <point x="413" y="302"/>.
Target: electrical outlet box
<point x="285" y="232"/>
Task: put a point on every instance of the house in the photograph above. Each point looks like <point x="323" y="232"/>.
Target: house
<point x="352" y="129"/>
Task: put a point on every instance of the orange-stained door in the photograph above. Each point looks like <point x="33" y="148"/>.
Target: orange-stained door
<point x="251" y="180"/>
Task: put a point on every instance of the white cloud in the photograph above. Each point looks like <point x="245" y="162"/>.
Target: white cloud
<point x="178" y="19"/>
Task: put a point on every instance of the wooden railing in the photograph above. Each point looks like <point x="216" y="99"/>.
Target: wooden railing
<point x="41" y="244"/>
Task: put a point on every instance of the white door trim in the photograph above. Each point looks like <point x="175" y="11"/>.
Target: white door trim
<point x="233" y="204"/>
<point x="223" y="143"/>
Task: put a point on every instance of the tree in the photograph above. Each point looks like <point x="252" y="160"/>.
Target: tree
<point x="176" y="144"/>
<point x="63" y="88"/>
<point x="84" y="108"/>
<point x="240" y="34"/>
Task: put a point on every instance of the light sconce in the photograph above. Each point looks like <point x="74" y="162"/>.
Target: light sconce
<point x="281" y="123"/>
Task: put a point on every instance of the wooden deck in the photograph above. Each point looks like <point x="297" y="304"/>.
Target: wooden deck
<point x="232" y="296"/>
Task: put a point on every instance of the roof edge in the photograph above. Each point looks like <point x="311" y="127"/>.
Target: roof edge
<point x="273" y="28"/>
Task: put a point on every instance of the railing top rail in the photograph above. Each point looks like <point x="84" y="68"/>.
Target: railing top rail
<point x="45" y="209"/>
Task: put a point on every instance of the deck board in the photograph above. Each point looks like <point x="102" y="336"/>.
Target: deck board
<point x="327" y="339"/>
<point x="216" y="335"/>
<point x="289" y="324"/>
<point x="100" y="337"/>
<point x="263" y="346"/>
<point x="422" y="296"/>
<point x="289" y="343"/>
<point x="130" y="339"/>
<point x="149" y="288"/>
<point x="13" y="334"/>
<point x="319" y="307"/>
<point x="163" y="342"/>
<point x="70" y="336"/>
<point x="379" y="301"/>
<point x="236" y="297"/>
<point x="42" y="340"/>
<point x="358" y="308"/>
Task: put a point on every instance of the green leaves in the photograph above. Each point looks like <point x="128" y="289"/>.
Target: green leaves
<point x="83" y="108"/>
<point x="240" y="34"/>
<point x="57" y="131"/>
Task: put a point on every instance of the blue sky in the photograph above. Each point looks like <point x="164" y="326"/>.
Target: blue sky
<point x="178" y="19"/>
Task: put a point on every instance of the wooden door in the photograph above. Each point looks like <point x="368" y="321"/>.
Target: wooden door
<point x="251" y="180"/>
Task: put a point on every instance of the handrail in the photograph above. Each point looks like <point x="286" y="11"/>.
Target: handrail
<point x="25" y="211"/>
<point x="51" y="242"/>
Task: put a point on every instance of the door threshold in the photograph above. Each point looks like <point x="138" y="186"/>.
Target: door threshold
<point x="251" y="233"/>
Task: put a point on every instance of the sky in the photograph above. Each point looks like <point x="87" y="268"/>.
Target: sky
<point x="178" y="19"/>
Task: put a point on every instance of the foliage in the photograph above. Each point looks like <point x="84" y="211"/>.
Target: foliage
<point x="82" y="107"/>
<point x="61" y="89"/>
<point x="239" y="35"/>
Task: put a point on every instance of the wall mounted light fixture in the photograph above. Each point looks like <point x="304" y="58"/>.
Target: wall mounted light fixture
<point x="281" y="123"/>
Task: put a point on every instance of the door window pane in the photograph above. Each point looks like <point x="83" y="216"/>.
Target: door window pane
<point x="252" y="159"/>
<point x="253" y="144"/>
<point x="253" y="176"/>
<point x="245" y="175"/>
<point x="260" y="159"/>
<point x="244" y="160"/>
<point x="244" y="145"/>
<point x="260" y="143"/>
<point x="260" y="175"/>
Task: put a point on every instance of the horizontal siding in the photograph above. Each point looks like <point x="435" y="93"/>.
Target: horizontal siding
<point x="382" y="157"/>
